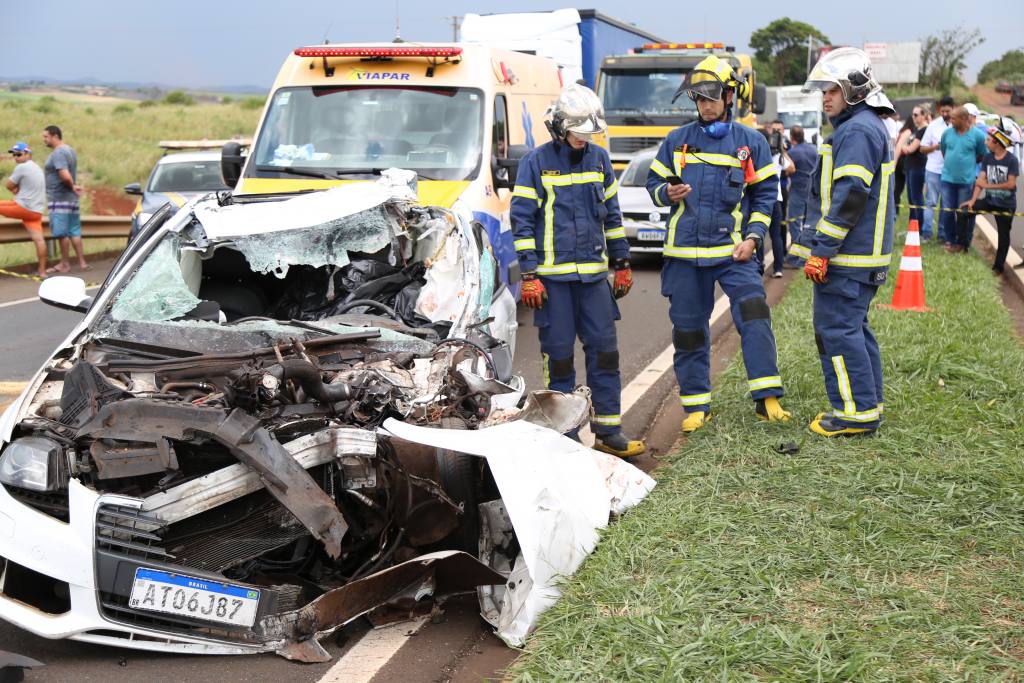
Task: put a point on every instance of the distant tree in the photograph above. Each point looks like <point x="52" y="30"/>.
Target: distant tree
<point x="1010" y="65"/>
<point x="782" y="47"/>
<point x="147" y="103"/>
<point x="46" y="104"/>
<point x="123" y="108"/>
<point x="227" y="99"/>
<point x="943" y="55"/>
<point x="179" y="97"/>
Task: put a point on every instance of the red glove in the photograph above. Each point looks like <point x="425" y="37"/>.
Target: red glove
<point x="623" y="282"/>
<point x="816" y="269"/>
<point x="533" y="293"/>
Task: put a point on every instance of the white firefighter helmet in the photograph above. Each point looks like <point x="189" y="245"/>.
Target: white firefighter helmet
<point x="850" y="69"/>
<point x="577" y="110"/>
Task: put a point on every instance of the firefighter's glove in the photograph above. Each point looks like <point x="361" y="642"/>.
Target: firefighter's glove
<point x="533" y="293"/>
<point x="623" y="281"/>
<point x="816" y="269"/>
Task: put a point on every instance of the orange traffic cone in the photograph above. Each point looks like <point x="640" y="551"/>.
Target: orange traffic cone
<point x="909" y="292"/>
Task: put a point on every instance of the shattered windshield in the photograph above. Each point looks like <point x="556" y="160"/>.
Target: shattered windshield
<point x="349" y="271"/>
<point x="434" y="131"/>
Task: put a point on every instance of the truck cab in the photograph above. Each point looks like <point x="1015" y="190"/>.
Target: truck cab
<point x="792" y="106"/>
<point x="636" y="90"/>
<point x="460" y="116"/>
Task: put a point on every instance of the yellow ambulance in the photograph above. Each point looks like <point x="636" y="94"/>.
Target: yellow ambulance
<point x="458" y="115"/>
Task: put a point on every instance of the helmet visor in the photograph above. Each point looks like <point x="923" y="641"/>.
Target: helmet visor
<point x="822" y="85"/>
<point x="701" y="84"/>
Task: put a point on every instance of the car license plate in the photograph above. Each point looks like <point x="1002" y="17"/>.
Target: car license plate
<point x="650" y="235"/>
<point x="188" y="596"/>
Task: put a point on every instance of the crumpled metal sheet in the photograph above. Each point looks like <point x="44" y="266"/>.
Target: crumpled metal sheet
<point x="557" y="492"/>
<point x="448" y="571"/>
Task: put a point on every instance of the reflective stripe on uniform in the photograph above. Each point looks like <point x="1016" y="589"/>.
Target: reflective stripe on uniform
<point x="525" y="243"/>
<point x="698" y="252"/>
<point x="763" y="174"/>
<point x="832" y="230"/>
<point x="608" y="420"/>
<point x="572" y="267"/>
<point x="764" y="382"/>
<point x="843" y="379"/>
<point x="826" y="178"/>
<point x="860" y="260"/>
<point x="758" y="217"/>
<point x="615" y="233"/>
<point x="710" y="158"/>
<point x="695" y="399"/>
<point x="855" y="171"/>
<point x="657" y="194"/>
<point x="611" y="190"/>
<point x="883" y="204"/>
<point x="526" y="192"/>
<point x="800" y="250"/>
<point x="862" y="416"/>
<point x="550" y="182"/>
<point x="660" y="169"/>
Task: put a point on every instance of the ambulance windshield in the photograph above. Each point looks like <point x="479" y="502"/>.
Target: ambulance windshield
<point x="435" y="131"/>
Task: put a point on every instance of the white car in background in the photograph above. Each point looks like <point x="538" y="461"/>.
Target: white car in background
<point x="643" y="220"/>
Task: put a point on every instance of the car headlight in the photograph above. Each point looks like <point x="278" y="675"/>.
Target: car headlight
<point x="33" y="462"/>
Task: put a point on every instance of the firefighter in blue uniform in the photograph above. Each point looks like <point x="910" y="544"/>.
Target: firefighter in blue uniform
<point x="703" y="170"/>
<point x="849" y="252"/>
<point x="566" y="223"/>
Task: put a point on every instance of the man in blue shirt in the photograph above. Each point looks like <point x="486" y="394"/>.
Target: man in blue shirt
<point x="805" y="158"/>
<point x="962" y="146"/>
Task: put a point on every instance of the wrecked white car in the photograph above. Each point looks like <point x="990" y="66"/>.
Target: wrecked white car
<point x="280" y="414"/>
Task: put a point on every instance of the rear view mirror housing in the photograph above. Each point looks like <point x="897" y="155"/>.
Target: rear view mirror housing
<point x="133" y="188"/>
<point x="231" y="161"/>
<point x="510" y="164"/>
<point x="760" y="100"/>
<point x="65" y="292"/>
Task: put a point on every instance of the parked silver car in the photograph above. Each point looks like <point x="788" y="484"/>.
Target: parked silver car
<point x="643" y="220"/>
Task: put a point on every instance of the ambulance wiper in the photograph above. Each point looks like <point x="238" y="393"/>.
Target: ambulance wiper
<point x="298" y="170"/>
<point x="643" y="115"/>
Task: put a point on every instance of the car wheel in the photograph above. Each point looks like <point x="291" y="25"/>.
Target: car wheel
<point x="459" y="476"/>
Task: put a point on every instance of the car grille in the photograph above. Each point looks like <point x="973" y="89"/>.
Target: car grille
<point x="127" y="538"/>
<point x="645" y="217"/>
<point x="628" y="145"/>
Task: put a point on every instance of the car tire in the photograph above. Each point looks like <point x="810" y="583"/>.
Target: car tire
<point x="459" y="476"/>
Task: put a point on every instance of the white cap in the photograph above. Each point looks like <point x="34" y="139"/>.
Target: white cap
<point x="971" y="108"/>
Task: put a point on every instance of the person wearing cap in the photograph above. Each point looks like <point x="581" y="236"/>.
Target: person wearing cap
<point x="962" y="146"/>
<point x="566" y="227"/>
<point x="998" y="180"/>
<point x="704" y="170"/>
<point x="851" y="248"/>
<point x="28" y="185"/>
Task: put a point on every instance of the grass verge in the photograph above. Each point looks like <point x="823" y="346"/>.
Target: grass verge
<point x="897" y="557"/>
<point x="21" y="253"/>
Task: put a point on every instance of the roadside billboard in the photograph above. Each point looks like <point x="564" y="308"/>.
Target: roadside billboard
<point x="895" y="62"/>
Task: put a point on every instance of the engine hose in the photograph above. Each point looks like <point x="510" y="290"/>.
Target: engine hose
<point x="309" y="379"/>
<point x="355" y="303"/>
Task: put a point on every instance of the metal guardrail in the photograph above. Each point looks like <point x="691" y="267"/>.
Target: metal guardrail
<point x="12" y="231"/>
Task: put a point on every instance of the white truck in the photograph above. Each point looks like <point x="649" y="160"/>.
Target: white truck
<point x="792" y="106"/>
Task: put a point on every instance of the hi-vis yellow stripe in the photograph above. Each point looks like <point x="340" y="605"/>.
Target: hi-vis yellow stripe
<point x="431" y="192"/>
<point x="854" y="170"/>
<point x="765" y="172"/>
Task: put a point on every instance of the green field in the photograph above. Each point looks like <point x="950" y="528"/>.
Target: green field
<point x="896" y="557"/>
<point x="116" y="141"/>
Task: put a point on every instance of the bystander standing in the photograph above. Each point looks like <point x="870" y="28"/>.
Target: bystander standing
<point x="804" y="156"/>
<point x="933" y="165"/>
<point x="962" y="147"/>
<point x="27" y="185"/>
<point x="909" y="149"/>
<point x="62" y="194"/>
<point x="998" y="180"/>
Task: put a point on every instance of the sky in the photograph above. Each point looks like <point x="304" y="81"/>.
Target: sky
<point x="206" y="44"/>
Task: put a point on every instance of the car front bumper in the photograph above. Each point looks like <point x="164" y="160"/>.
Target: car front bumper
<point x="63" y="554"/>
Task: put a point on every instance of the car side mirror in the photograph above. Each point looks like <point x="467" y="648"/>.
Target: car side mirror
<point x="510" y="164"/>
<point x="65" y="292"/>
<point x="760" y="98"/>
<point x="231" y="160"/>
<point x="133" y="188"/>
